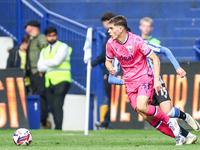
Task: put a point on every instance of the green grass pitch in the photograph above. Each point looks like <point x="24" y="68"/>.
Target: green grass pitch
<point x="96" y="140"/>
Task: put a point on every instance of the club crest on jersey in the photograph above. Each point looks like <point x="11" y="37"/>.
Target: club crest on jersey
<point x="144" y="47"/>
<point x="138" y="39"/>
<point x="129" y="48"/>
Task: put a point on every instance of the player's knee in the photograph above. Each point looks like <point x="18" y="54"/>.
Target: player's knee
<point x="166" y="111"/>
<point x="142" y="108"/>
<point x="142" y="104"/>
<point x="165" y="107"/>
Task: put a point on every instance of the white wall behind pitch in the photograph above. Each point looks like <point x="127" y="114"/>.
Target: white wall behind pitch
<point x="6" y="43"/>
<point x="74" y="113"/>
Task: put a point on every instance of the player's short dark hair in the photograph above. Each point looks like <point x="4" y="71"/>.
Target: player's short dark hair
<point x="50" y="30"/>
<point x="107" y="16"/>
<point x="128" y="29"/>
<point x="25" y="38"/>
<point x="119" y="21"/>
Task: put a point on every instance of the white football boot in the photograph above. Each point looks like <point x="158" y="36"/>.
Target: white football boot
<point x="173" y="125"/>
<point x="180" y="140"/>
<point x="191" y="139"/>
<point x="192" y="123"/>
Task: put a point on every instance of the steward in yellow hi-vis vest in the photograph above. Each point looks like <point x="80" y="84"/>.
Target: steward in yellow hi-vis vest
<point x="54" y="62"/>
<point x="60" y="73"/>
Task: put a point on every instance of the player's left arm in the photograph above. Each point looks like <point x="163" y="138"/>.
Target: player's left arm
<point x="156" y="64"/>
<point x="180" y="71"/>
<point x="145" y="50"/>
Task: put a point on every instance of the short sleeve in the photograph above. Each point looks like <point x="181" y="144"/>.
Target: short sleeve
<point x="143" y="47"/>
<point x="109" y="52"/>
<point x="155" y="47"/>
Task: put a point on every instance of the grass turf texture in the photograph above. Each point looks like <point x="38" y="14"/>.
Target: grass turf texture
<point x="96" y="140"/>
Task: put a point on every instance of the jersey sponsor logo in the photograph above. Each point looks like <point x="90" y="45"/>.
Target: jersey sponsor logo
<point x="129" y="48"/>
<point x="126" y="57"/>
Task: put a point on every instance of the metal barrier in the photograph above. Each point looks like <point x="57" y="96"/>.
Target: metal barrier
<point x="69" y="31"/>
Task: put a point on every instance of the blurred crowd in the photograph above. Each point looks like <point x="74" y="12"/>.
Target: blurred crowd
<point x="45" y="62"/>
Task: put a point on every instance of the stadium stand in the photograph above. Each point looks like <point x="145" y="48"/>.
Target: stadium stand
<point x="69" y="31"/>
<point x="176" y="24"/>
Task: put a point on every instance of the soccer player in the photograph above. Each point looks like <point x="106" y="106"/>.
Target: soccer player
<point x="163" y="100"/>
<point x="146" y="26"/>
<point x="131" y="51"/>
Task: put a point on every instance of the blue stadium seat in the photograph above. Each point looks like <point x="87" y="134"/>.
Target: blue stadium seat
<point x="196" y="48"/>
<point x="182" y="54"/>
<point x="187" y="32"/>
<point x="176" y="23"/>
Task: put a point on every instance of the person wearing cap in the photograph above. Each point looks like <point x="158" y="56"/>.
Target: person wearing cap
<point x="36" y="43"/>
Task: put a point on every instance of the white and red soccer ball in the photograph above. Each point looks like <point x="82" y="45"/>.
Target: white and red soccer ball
<point x="22" y="136"/>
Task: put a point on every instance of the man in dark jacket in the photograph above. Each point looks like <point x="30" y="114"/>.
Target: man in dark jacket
<point x="101" y="59"/>
<point x="36" y="43"/>
<point x="13" y="60"/>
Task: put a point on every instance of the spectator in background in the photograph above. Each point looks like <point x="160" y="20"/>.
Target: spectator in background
<point x="146" y="26"/>
<point x="36" y="43"/>
<point x="101" y="59"/>
<point x="16" y="46"/>
<point x="13" y="61"/>
<point x="17" y="59"/>
<point x="54" y="61"/>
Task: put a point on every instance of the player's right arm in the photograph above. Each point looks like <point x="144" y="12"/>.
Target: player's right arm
<point x="110" y="67"/>
<point x="109" y="59"/>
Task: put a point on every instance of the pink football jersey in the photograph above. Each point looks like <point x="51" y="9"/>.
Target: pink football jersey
<point x="132" y="57"/>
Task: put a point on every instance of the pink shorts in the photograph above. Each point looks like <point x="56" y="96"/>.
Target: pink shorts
<point x="140" y="88"/>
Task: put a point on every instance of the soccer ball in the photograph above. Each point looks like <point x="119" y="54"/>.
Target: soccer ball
<point x="22" y="136"/>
